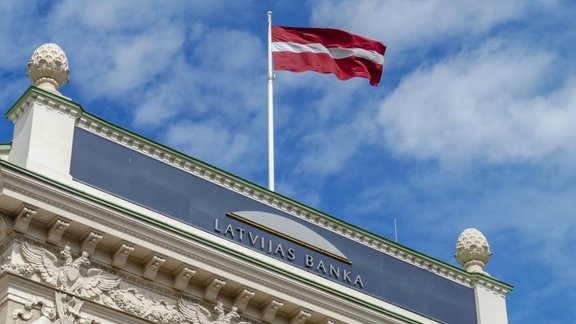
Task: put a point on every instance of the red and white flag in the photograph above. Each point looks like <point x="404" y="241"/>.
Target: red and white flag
<point x="327" y="50"/>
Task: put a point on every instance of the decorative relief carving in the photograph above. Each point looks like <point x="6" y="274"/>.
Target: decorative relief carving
<point x="213" y="288"/>
<point x="182" y="277"/>
<point x="5" y="226"/>
<point x="47" y="310"/>
<point x="68" y="277"/>
<point x="132" y="301"/>
<point x="66" y="310"/>
<point x="56" y="230"/>
<point x="77" y="285"/>
<point x="152" y="266"/>
<point x="121" y="255"/>
<point x="48" y="65"/>
<point x="23" y="219"/>
<point x="24" y="270"/>
<point x="197" y="314"/>
<point x="269" y="311"/>
<point x="242" y="298"/>
<point x="90" y="242"/>
<point x="472" y="250"/>
<point x="300" y="317"/>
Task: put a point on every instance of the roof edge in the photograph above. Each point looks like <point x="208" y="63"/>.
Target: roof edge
<point x="48" y="94"/>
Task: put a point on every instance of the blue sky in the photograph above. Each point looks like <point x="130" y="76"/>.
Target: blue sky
<point x="473" y="125"/>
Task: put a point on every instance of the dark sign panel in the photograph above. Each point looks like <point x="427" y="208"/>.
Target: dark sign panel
<point x="153" y="184"/>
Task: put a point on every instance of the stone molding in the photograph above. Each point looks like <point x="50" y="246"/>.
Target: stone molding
<point x="33" y="97"/>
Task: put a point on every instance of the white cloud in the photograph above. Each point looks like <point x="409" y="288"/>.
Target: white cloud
<point x="166" y="65"/>
<point x="213" y="140"/>
<point x="20" y="34"/>
<point x="141" y="59"/>
<point x="328" y="150"/>
<point x="485" y="104"/>
<point x="412" y="23"/>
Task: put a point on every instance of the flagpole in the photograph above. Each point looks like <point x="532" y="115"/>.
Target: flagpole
<point x="270" y="108"/>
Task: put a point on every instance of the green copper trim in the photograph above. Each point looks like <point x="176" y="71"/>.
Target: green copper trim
<point x="45" y="93"/>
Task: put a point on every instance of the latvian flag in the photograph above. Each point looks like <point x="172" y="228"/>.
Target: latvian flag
<point x="327" y="50"/>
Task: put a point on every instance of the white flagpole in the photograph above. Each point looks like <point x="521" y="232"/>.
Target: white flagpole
<point x="270" y="107"/>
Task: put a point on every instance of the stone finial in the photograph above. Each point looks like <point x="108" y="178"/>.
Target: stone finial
<point x="472" y="250"/>
<point x="48" y="67"/>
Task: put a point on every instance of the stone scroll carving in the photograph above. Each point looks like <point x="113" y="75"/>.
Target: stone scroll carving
<point x="75" y="284"/>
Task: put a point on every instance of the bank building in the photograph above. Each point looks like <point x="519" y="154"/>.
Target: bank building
<point x="101" y="225"/>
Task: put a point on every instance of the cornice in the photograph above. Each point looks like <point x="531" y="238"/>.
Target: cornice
<point x="209" y="173"/>
<point x="44" y="98"/>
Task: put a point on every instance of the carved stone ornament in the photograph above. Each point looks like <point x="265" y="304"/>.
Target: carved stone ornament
<point x="198" y="314"/>
<point x="56" y="231"/>
<point x="23" y="219"/>
<point x="121" y="255"/>
<point x="77" y="285"/>
<point x="243" y="298"/>
<point x="67" y="276"/>
<point x="48" y="67"/>
<point x="473" y="250"/>
<point x="66" y="310"/>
